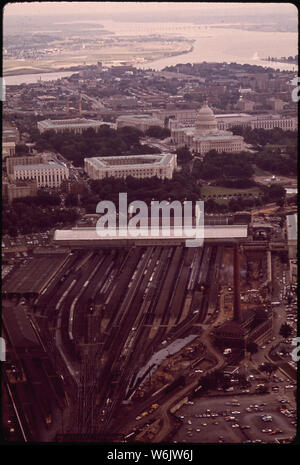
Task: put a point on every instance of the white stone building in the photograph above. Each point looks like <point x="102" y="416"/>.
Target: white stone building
<point x="50" y="174"/>
<point x="206" y="136"/>
<point x="76" y="125"/>
<point x="228" y="120"/>
<point x="138" y="166"/>
<point x="141" y="122"/>
<point x="8" y="149"/>
<point x="274" y="121"/>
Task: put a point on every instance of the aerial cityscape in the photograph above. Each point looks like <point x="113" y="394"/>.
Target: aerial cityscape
<point x="149" y="225"/>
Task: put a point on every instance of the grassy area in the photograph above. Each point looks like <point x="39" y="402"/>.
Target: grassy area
<point x="218" y="190"/>
<point x="259" y="172"/>
<point x="275" y="146"/>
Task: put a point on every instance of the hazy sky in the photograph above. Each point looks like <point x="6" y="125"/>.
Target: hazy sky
<point x="51" y="8"/>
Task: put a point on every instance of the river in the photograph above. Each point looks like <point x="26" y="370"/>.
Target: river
<point x="215" y="44"/>
<point x="32" y="78"/>
<point x="211" y="44"/>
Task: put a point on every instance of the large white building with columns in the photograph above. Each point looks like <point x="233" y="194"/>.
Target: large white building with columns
<point x="138" y="166"/>
<point x="50" y="174"/>
<point x="205" y="135"/>
<point x="76" y="125"/>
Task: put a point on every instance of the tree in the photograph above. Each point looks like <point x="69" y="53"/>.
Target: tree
<point x="210" y="206"/>
<point x="183" y="155"/>
<point x="71" y="200"/>
<point x="285" y="330"/>
<point x="280" y="202"/>
<point x="268" y="368"/>
<point x="234" y="205"/>
<point x="21" y="149"/>
<point x="276" y="192"/>
<point x="158" y="132"/>
<point x="252" y="348"/>
<point x="242" y="380"/>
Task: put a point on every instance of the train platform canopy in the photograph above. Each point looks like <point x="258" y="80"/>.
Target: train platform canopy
<point x="90" y="235"/>
<point x="34" y="276"/>
<point x="18" y="328"/>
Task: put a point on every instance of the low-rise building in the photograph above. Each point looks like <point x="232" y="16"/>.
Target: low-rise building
<point x="76" y="125"/>
<point x="21" y="189"/>
<point x="138" y="166"/>
<point x="292" y="241"/>
<point x="26" y="160"/>
<point x="10" y="134"/>
<point x="292" y="228"/>
<point x="274" y="121"/>
<point x="8" y="149"/>
<point x="50" y="174"/>
<point x="228" y="120"/>
<point x="141" y="122"/>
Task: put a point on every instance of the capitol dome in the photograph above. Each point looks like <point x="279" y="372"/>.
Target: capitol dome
<point x="206" y="121"/>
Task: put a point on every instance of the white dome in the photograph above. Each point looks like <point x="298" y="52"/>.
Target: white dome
<point x="206" y="121"/>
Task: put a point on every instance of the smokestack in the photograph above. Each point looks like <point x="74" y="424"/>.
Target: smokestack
<point x="237" y="288"/>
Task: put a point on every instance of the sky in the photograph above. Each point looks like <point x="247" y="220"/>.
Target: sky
<point x="226" y="8"/>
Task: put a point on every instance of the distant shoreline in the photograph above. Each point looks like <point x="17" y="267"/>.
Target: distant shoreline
<point x="25" y="71"/>
<point x="279" y="60"/>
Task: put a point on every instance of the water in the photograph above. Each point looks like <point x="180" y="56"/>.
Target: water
<point x="33" y="78"/>
<point x="212" y="44"/>
<point x="235" y="46"/>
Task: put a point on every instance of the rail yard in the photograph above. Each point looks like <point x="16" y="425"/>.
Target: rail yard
<point x="117" y="336"/>
<point x="110" y="309"/>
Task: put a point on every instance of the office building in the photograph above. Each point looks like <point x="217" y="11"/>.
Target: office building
<point x="50" y="174"/>
<point x="76" y="125"/>
<point x="26" y="160"/>
<point x="20" y="189"/>
<point x="138" y="166"/>
<point x="141" y="122"/>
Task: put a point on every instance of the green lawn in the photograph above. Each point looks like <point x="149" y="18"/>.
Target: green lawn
<point x="218" y="190"/>
<point x="259" y="172"/>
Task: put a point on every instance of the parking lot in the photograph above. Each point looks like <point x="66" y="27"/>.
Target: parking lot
<point x="237" y="420"/>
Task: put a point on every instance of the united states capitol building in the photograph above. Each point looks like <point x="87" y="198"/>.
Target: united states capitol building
<point x="205" y="135"/>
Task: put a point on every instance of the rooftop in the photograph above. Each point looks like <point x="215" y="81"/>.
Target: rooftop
<point x="117" y="162"/>
<point x="39" y="166"/>
<point x="34" y="276"/>
<point x="210" y="232"/>
<point x="292" y="227"/>
<point x="19" y="328"/>
<point x="141" y="117"/>
<point x="233" y="115"/>
<point x="76" y="122"/>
